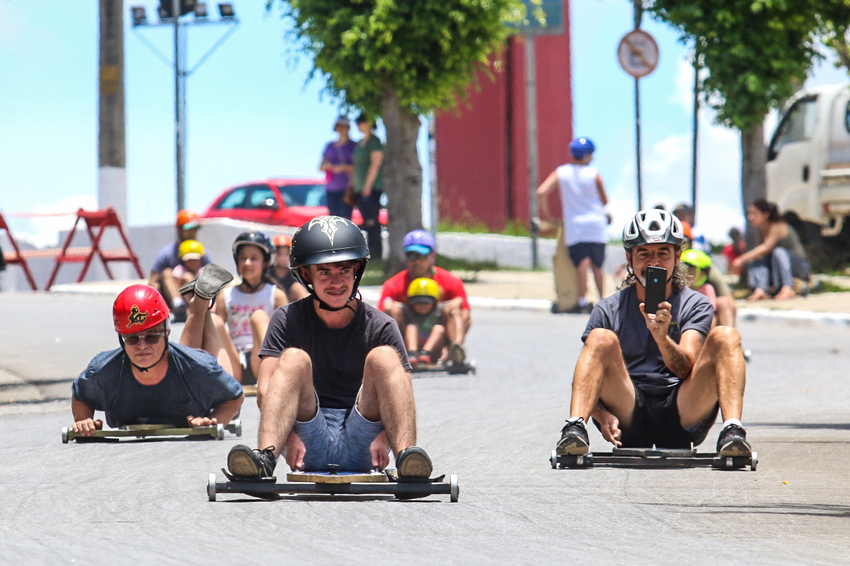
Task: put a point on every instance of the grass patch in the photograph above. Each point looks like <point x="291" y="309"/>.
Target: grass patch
<point x="512" y="228"/>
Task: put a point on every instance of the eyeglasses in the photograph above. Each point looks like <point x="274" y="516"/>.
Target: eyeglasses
<point x="414" y="256"/>
<point x="151" y="339"/>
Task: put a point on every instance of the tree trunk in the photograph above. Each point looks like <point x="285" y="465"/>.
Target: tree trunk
<point x="402" y="174"/>
<point x="753" y="177"/>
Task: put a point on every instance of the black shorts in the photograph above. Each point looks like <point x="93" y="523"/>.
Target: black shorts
<point x="655" y="421"/>
<point x="582" y="250"/>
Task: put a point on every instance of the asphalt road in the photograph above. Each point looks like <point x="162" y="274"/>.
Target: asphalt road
<point x="144" y="502"/>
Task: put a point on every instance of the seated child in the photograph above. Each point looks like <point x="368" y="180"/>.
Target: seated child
<point x="190" y="253"/>
<point x="425" y="323"/>
<point x="698" y="263"/>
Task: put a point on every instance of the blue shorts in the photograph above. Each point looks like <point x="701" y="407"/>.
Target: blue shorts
<point x="583" y="250"/>
<point x="338" y="436"/>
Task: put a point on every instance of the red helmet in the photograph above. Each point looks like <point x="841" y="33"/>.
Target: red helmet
<point x="138" y="308"/>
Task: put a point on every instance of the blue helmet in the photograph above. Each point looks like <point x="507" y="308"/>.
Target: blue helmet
<point x="580" y="147"/>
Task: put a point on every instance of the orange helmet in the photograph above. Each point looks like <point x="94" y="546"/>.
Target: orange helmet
<point x="686" y="228"/>
<point x="186" y="220"/>
<point x="137" y="308"/>
<point x="282" y="241"/>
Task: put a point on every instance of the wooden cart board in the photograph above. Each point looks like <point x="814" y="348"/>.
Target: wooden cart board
<point x="337" y="477"/>
<point x="335" y="483"/>
<point x="447" y="367"/>
<point x="154" y="431"/>
<point x="654" y="458"/>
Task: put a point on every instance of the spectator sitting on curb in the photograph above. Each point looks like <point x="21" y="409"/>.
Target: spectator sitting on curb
<point x="420" y="253"/>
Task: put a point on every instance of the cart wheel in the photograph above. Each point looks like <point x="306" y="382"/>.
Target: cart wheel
<point x="219" y="431"/>
<point x="65" y="435"/>
<point x="454" y="491"/>
<point x="211" y="487"/>
<point x="754" y="461"/>
<point x="238" y="427"/>
<point x="553" y="459"/>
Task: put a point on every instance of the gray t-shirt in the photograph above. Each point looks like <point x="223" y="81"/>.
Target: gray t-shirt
<point x="621" y="314"/>
<point x="194" y="385"/>
<point x="338" y="354"/>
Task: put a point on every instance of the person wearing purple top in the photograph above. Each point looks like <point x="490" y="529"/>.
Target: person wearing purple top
<point x="337" y="163"/>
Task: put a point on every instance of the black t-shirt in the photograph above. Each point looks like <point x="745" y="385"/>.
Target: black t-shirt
<point x="621" y="314"/>
<point x="283" y="283"/>
<point x="338" y="354"/>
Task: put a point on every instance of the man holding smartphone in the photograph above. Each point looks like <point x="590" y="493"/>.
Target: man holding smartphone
<point x="652" y="372"/>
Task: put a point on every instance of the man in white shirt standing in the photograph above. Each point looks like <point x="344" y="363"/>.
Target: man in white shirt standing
<point x="583" y="200"/>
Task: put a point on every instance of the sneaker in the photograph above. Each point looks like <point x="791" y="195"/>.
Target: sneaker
<point x="457" y="354"/>
<point x="251" y="464"/>
<point x="179" y="313"/>
<point x="587" y="308"/>
<point x="424" y="357"/>
<point x="212" y="280"/>
<point x="413" y="356"/>
<point x="574" y="440"/>
<point x="413" y="463"/>
<point x="733" y="442"/>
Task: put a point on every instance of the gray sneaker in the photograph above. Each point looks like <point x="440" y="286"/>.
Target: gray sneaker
<point x="733" y="442"/>
<point x="245" y="463"/>
<point x="574" y="440"/>
<point x="413" y="463"/>
<point x="457" y="354"/>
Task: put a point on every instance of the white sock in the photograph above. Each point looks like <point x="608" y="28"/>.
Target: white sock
<point x="582" y="301"/>
<point x="177" y="301"/>
<point x="727" y="422"/>
<point x="574" y="419"/>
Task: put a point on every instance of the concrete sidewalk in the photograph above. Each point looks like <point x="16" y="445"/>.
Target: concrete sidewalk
<point x="534" y="290"/>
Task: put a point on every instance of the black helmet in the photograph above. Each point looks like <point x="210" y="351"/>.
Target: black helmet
<point x="328" y="239"/>
<point x="253" y="239"/>
<point x="653" y="227"/>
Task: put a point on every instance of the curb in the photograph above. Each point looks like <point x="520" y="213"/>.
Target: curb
<point x="372" y="294"/>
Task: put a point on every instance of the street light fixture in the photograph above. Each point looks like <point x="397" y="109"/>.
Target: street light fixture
<point x="182" y="8"/>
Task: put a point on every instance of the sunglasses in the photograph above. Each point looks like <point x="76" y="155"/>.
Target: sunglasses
<point x="414" y="256"/>
<point x="151" y="339"/>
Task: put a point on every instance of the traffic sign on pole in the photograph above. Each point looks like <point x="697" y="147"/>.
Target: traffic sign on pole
<point x="638" y="53"/>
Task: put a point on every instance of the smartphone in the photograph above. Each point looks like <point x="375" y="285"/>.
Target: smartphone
<point x="656" y="288"/>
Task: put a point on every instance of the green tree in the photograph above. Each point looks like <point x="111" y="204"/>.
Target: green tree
<point x="399" y="59"/>
<point x="834" y="18"/>
<point x="757" y="53"/>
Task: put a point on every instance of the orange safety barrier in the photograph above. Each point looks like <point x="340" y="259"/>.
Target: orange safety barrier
<point x="16" y="257"/>
<point x="101" y="220"/>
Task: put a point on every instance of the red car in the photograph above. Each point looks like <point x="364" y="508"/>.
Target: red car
<point x="280" y="202"/>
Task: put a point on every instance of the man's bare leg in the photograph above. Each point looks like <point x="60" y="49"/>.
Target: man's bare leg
<point x="598" y="276"/>
<point x="581" y="278"/>
<point x="726" y="311"/>
<point x="601" y="388"/>
<point x="200" y="332"/>
<point x="259" y="326"/>
<point x="227" y="344"/>
<point x="719" y="375"/>
<point x="387" y="396"/>
<point x="289" y="396"/>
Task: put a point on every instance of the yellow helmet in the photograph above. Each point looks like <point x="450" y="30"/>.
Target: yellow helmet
<point x="423" y="289"/>
<point x="191" y="249"/>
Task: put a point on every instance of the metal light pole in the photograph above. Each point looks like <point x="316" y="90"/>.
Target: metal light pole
<point x="180" y="22"/>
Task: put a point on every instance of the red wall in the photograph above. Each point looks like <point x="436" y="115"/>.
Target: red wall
<point x="481" y="149"/>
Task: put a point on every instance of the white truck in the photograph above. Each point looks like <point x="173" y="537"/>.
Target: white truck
<point x="808" y="159"/>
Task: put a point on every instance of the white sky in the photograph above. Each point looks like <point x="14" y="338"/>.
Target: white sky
<point x="253" y="114"/>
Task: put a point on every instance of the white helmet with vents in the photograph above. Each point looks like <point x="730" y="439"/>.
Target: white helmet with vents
<point x="653" y="227"/>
